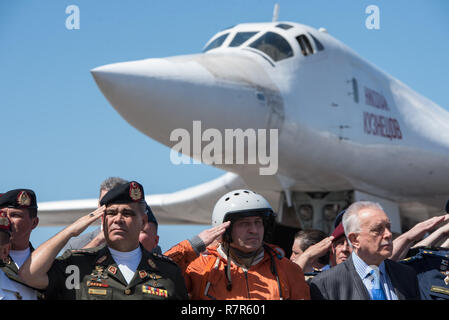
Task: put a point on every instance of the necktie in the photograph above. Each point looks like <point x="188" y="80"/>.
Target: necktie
<point x="376" y="291"/>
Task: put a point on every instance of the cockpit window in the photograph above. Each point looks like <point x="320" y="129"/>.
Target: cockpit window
<point x="217" y="42"/>
<point x="284" y="26"/>
<point x="274" y="46"/>
<point x="318" y="44"/>
<point x="304" y="43"/>
<point x="241" y="37"/>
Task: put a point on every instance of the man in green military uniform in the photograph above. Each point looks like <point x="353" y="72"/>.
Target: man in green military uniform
<point x="20" y="205"/>
<point x="120" y="269"/>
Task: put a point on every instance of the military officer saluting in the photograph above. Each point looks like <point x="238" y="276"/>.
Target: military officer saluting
<point x="10" y="289"/>
<point x="20" y="206"/>
<point x="120" y="269"/>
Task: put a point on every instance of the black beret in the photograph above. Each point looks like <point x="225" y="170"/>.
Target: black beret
<point x="151" y="217"/>
<point x="18" y="198"/>
<point x="124" y="193"/>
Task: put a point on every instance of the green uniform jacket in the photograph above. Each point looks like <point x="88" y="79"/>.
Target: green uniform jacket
<point x="92" y="274"/>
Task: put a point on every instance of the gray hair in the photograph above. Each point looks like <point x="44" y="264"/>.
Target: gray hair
<point x="111" y="182"/>
<point x="309" y="237"/>
<point x="351" y="221"/>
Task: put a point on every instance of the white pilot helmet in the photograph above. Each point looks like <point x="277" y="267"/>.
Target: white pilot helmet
<point x="241" y="203"/>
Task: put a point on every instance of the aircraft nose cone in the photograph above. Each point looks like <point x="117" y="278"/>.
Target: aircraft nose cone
<point x="157" y="96"/>
<point x="150" y="94"/>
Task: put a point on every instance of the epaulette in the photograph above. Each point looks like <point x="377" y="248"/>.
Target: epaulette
<point x="409" y="259"/>
<point x="313" y="273"/>
<point x="164" y="258"/>
<point x="437" y="252"/>
<point x="310" y="275"/>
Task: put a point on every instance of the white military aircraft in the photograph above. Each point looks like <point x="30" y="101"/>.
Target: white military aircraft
<point x="347" y="131"/>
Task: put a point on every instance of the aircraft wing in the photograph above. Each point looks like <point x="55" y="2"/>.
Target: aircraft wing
<point x="193" y="205"/>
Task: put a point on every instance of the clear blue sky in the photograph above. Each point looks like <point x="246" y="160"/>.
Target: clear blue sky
<point x="59" y="134"/>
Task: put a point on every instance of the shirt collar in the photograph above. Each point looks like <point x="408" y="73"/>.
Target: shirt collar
<point x="362" y="268"/>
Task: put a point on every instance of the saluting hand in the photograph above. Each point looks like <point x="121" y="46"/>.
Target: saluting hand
<point x="319" y="249"/>
<point x="82" y="223"/>
<point x="420" y="229"/>
<point x="312" y="253"/>
<point x="208" y="236"/>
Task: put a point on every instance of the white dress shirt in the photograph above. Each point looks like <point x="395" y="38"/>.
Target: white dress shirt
<point x="12" y="290"/>
<point x="127" y="262"/>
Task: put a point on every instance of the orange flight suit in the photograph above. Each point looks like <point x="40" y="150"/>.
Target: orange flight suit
<point x="205" y="275"/>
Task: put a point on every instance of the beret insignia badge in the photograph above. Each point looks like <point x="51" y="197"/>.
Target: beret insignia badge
<point x="134" y="192"/>
<point x="4" y="222"/>
<point x="23" y="199"/>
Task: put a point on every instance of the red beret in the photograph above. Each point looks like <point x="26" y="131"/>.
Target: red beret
<point x="338" y="232"/>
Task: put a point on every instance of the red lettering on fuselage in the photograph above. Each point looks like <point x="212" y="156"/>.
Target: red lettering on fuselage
<point x="375" y="99"/>
<point x="381" y="126"/>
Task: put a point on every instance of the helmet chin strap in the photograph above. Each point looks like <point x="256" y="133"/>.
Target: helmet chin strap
<point x="240" y="257"/>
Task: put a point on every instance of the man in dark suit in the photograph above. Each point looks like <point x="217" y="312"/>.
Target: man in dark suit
<point x="368" y="273"/>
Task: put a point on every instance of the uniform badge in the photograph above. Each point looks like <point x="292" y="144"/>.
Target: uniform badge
<point x="97" y="284"/>
<point x="151" y="264"/>
<point x="23" y="199"/>
<point x="98" y="274"/>
<point x="101" y="292"/>
<point x="155" y="276"/>
<point x="4" y="222"/>
<point x="99" y="271"/>
<point x="142" y="274"/>
<point x="134" y="192"/>
<point x="154" y="291"/>
<point x="112" y="269"/>
<point x="101" y="260"/>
